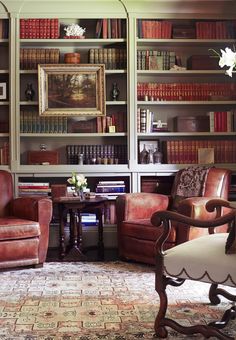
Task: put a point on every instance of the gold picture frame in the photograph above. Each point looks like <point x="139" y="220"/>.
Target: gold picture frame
<point x="71" y="90"/>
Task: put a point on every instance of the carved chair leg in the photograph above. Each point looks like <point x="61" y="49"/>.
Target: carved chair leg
<point x="161" y="282"/>
<point x="229" y="314"/>
<point x="215" y="291"/>
<point x="160" y="331"/>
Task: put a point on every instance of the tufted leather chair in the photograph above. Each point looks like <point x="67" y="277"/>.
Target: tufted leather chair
<point x="24" y="227"/>
<point x="136" y="234"/>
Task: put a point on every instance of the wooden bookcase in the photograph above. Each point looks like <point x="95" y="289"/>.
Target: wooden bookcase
<point x="4" y="91"/>
<point x="179" y="45"/>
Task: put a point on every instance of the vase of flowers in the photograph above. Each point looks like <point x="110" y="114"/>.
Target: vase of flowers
<point x="79" y="183"/>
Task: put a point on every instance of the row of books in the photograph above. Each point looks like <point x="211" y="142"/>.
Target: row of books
<point x="4" y="154"/>
<point x="110" y="189"/>
<point x="219" y="121"/>
<point x="109" y="216"/>
<point x="222" y="121"/>
<point x="34" y="189"/>
<point x="186" y="151"/>
<point x="4" y="29"/>
<point x="110" y="29"/>
<point x="155" y="60"/>
<point x="97" y="154"/>
<point x="32" y="122"/>
<point x="216" y="29"/>
<point x="100" y="124"/>
<point x="154" y="29"/>
<point x="36" y="28"/>
<point x="31" y="57"/>
<point x="186" y="91"/>
<point x="113" y="58"/>
<point x="165" y="29"/>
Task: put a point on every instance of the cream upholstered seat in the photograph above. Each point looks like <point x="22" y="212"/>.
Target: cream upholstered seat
<point x="189" y="261"/>
<point x="205" y="259"/>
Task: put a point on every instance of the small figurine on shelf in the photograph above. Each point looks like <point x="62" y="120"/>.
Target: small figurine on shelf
<point x="43" y="147"/>
<point x="115" y="92"/>
<point x="29" y="92"/>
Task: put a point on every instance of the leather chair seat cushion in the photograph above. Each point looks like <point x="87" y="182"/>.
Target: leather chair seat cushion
<point x="144" y="230"/>
<point x="202" y="259"/>
<point x="12" y="228"/>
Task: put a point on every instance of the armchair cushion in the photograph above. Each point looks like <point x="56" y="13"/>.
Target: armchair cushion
<point x="12" y="228"/>
<point x="196" y="260"/>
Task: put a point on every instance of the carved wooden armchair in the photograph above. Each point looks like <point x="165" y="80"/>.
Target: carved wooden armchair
<point x="210" y="258"/>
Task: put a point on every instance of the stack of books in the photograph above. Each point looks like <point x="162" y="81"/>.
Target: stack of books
<point x="34" y="189"/>
<point x="88" y="219"/>
<point x="110" y="189"/>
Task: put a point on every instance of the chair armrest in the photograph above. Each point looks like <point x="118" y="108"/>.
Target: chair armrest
<point x="36" y="209"/>
<point x="139" y="205"/>
<point x="195" y="207"/>
<point x="165" y="218"/>
<point x="32" y="208"/>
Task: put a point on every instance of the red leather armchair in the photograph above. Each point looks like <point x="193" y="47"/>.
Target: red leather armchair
<point x="136" y="234"/>
<point x="24" y="227"/>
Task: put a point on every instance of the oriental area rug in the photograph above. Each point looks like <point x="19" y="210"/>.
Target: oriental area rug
<point x="95" y="300"/>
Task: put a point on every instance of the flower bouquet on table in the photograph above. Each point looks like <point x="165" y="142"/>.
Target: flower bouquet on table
<point x="227" y="58"/>
<point x="79" y="183"/>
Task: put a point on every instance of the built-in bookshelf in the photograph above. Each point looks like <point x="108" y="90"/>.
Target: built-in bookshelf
<point x="163" y="87"/>
<point x="177" y="73"/>
<point x="44" y="41"/>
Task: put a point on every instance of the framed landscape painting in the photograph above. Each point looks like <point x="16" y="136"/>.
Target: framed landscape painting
<point x="71" y="90"/>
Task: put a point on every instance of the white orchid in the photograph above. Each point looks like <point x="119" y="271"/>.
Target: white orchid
<point x="78" y="181"/>
<point x="227" y="58"/>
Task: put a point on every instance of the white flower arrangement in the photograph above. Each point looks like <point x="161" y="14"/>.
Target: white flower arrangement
<point x="227" y="58"/>
<point x="74" y="30"/>
<point x="78" y="181"/>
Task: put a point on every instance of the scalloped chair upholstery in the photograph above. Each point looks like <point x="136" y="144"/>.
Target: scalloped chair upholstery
<point x="24" y="227"/>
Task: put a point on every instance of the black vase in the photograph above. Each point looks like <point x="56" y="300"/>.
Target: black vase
<point x="29" y="92"/>
<point x="115" y="92"/>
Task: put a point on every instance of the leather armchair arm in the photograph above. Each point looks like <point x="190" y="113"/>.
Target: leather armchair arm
<point x="195" y="208"/>
<point x="139" y="205"/>
<point x="32" y="208"/>
<point x="36" y="209"/>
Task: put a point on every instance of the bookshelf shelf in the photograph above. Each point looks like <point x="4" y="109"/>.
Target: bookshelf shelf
<point x="70" y="42"/>
<point x="77" y="135"/>
<point x="181" y="72"/>
<point x="29" y="103"/>
<point x="186" y="134"/>
<point x="4" y="71"/>
<point x="200" y="102"/>
<point x="193" y="42"/>
<point x="2" y="103"/>
<point x="118" y="102"/>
